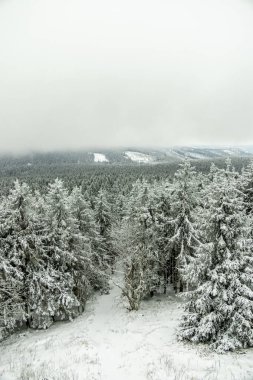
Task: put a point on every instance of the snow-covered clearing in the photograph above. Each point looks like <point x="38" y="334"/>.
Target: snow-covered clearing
<point x="228" y="151"/>
<point x="109" y="343"/>
<point x="99" y="157"/>
<point x="139" y="157"/>
<point x="196" y="155"/>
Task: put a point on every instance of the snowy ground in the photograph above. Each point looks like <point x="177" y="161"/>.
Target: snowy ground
<point x="109" y="343"/>
<point x="99" y="157"/>
<point x="139" y="157"/>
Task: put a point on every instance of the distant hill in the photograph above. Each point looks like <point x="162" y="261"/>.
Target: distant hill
<point x="127" y="156"/>
<point x="117" y="168"/>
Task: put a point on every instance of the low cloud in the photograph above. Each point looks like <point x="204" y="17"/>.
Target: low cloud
<point x="76" y="74"/>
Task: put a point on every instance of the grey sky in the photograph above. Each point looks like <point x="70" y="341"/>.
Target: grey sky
<point x="79" y="73"/>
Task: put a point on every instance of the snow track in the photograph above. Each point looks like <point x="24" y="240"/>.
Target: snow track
<point x="123" y="338"/>
<point x="109" y="343"/>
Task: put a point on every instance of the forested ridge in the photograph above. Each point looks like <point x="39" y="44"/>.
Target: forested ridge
<point x="114" y="177"/>
<point x="191" y="231"/>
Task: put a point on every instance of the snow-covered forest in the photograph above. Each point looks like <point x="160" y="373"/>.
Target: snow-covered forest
<point x="126" y="190"/>
<point x="187" y="239"/>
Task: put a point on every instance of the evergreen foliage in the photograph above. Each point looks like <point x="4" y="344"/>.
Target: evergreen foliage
<point x="220" y="310"/>
<point x="52" y="256"/>
<point x="59" y="243"/>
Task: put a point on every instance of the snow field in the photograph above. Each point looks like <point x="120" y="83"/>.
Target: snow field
<point x="99" y="157"/>
<point x="139" y="157"/>
<point x="108" y="342"/>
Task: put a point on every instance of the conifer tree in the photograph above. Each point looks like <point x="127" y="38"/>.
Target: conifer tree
<point x="220" y="310"/>
<point x="163" y="230"/>
<point x="89" y="229"/>
<point x="103" y="218"/>
<point x="134" y="240"/>
<point x="68" y="252"/>
<point x="246" y="187"/>
<point x="185" y="239"/>
<point x="136" y="284"/>
<point x="15" y="255"/>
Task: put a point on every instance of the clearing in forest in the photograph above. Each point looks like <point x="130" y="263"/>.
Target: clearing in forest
<point x="108" y="342"/>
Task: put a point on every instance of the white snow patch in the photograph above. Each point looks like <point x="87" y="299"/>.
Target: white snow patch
<point x="138" y="157"/>
<point x="228" y="151"/>
<point x="196" y="155"/>
<point x="99" y="157"/>
<point x="108" y="342"/>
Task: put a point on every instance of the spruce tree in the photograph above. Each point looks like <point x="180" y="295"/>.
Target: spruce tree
<point x="15" y="254"/>
<point x="90" y="231"/>
<point x="103" y="218"/>
<point x="220" y="310"/>
<point x="163" y="230"/>
<point x="184" y="241"/>
<point x="68" y="252"/>
<point x="246" y="186"/>
<point x="134" y="241"/>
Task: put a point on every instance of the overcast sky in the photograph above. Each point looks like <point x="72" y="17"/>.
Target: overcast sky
<point x="82" y="73"/>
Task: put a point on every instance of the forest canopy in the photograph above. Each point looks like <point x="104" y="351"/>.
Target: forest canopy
<point x="188" y="230"/>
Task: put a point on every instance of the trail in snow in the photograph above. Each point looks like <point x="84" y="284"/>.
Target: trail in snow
<point x="109" y="343"/>
<point x="124" y="339"/>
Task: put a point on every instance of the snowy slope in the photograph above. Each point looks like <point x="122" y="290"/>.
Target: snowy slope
<point x="109" y="343"/>
<point x="99" y="157"/>
<point x="199" y="152"/>
<point x="121" y="156"/>
<point x="138" y="157"/>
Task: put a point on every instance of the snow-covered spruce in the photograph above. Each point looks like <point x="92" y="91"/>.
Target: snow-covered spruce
<point x="90" y="232"/>
<point x="246" y="186"/>
<point x="161" y="235"/>
<point x="185" y="240"/>
<point x="49" y="256"/>
<point x="103" y="218"/>
<point x="220" y="310"/>
<point x="133" y="240"/>
<point x="16" y="241"/>
<point x="56" y="247"/>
